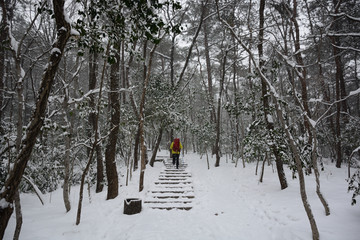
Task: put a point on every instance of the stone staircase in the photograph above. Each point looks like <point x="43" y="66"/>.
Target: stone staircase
<point x="172" y="190"/>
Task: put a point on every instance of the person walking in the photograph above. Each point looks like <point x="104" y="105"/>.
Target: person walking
<point x="175" y="150"/>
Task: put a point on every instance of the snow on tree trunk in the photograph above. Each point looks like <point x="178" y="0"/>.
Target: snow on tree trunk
<point x="36" y="122"/>
<point x="110" y="152"/>
<point x="266" y="106"/>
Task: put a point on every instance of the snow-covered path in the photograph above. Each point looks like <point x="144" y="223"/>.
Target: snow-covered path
<point x="229" y="203"/>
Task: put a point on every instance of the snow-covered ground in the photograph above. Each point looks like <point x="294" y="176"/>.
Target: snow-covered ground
<point x="229" y="203"/>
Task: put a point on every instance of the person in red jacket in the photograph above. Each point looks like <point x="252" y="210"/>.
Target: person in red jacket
<point x="175" y="149"/>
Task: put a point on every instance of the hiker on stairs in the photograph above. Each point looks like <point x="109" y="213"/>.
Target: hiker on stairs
<point x="175" y="149"/>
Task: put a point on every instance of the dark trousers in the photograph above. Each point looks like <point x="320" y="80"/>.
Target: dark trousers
<point x="176" y="159"/>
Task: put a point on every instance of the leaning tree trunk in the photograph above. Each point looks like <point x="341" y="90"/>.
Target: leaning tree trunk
<point x="158" y="140"/>
<point x="296" y="154"/>
<point x="37" y="120"/>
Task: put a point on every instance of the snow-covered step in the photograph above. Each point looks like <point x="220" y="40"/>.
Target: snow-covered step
<point x="173" y="189"/>
<point x="174" y="175"/>
<point x="168" y="201"/>
<point x="173" y="183"/>
<point x="173" y="178"/>
<point x="176" y="180"/>
<point x="166" y="196"/>
<point x="187" y="208"/>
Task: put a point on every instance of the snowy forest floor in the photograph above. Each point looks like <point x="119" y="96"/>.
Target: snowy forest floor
<point x="229" y="203"/>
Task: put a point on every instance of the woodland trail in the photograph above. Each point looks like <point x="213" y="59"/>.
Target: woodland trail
<point x="173" y="189"/>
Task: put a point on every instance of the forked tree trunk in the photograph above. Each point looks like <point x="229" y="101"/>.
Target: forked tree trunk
<point x="12" y="183"/>
<point x="266" y="106"/>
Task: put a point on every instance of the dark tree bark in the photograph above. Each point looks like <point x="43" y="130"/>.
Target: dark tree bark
<point x="218" y="118"/>
<point x="303" y="73"/>
<point x="136" y="148"/>
<point x="141" y="123"/>
<point x="3" y="37"/>
<point x="67" y="156"/>
<point x="158" y="141"/>
<point x="339" y="84"/>
<point x="320" y="77"/>
<point x="96" y="142"/>
<point x="19" y="219"/>
<point x="205" y="2"/>
<point x="265" y="97"/>
<point x="110" y="152"/>
<point x="209" y="69"/>
<point x="13" y="181"/>
<point x="93" y="68"/>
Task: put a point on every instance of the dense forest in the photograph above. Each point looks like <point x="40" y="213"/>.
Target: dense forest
<point x="92" y="88"/>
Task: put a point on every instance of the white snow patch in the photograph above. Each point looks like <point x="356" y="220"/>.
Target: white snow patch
<point x="4" y="203"/>
<point x="229" y="203"/>
<point x="357" y="91"/>
<point x="55" y="50"/>
<point x="270" y="118"/>
<point x="74" y="32"/>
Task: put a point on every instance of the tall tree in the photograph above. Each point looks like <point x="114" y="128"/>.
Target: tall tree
<point x="114" y="103"/>
<point x="265" y="99"/>
<point x="93" y="68"/>
<point x="11" y="185"/>
<point x="219" y="108"/>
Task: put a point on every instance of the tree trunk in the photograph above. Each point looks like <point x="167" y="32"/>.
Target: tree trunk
<point x="296" y="154"/>
<point x="141" y="123"/>
<point x="136" y="148"/>
<point x="3" y="37"/>
<point x="208" y="70"/>
<point x="93" y="68"/>
<point x="95" y="143"/>
<point x="19" y="219"/>
<point x="357" y="85"/>
<point x="192" y="43"/>
<point x="264" y="91"/>
<point x="302" y="70"/>
<point x="218" y="118"/>
<point x="152" y="160"/>
<point x="263" y="168"/>
<point x="340" y="84"/>
<point x="285" y="128"/>
<point x="110" y="152"/>
<point x="66" y="186"/>
<point x="320" y="77"/>
<point x="13" y="180"/>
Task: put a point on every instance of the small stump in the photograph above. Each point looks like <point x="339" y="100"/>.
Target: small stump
<point x="132" y="206"/>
